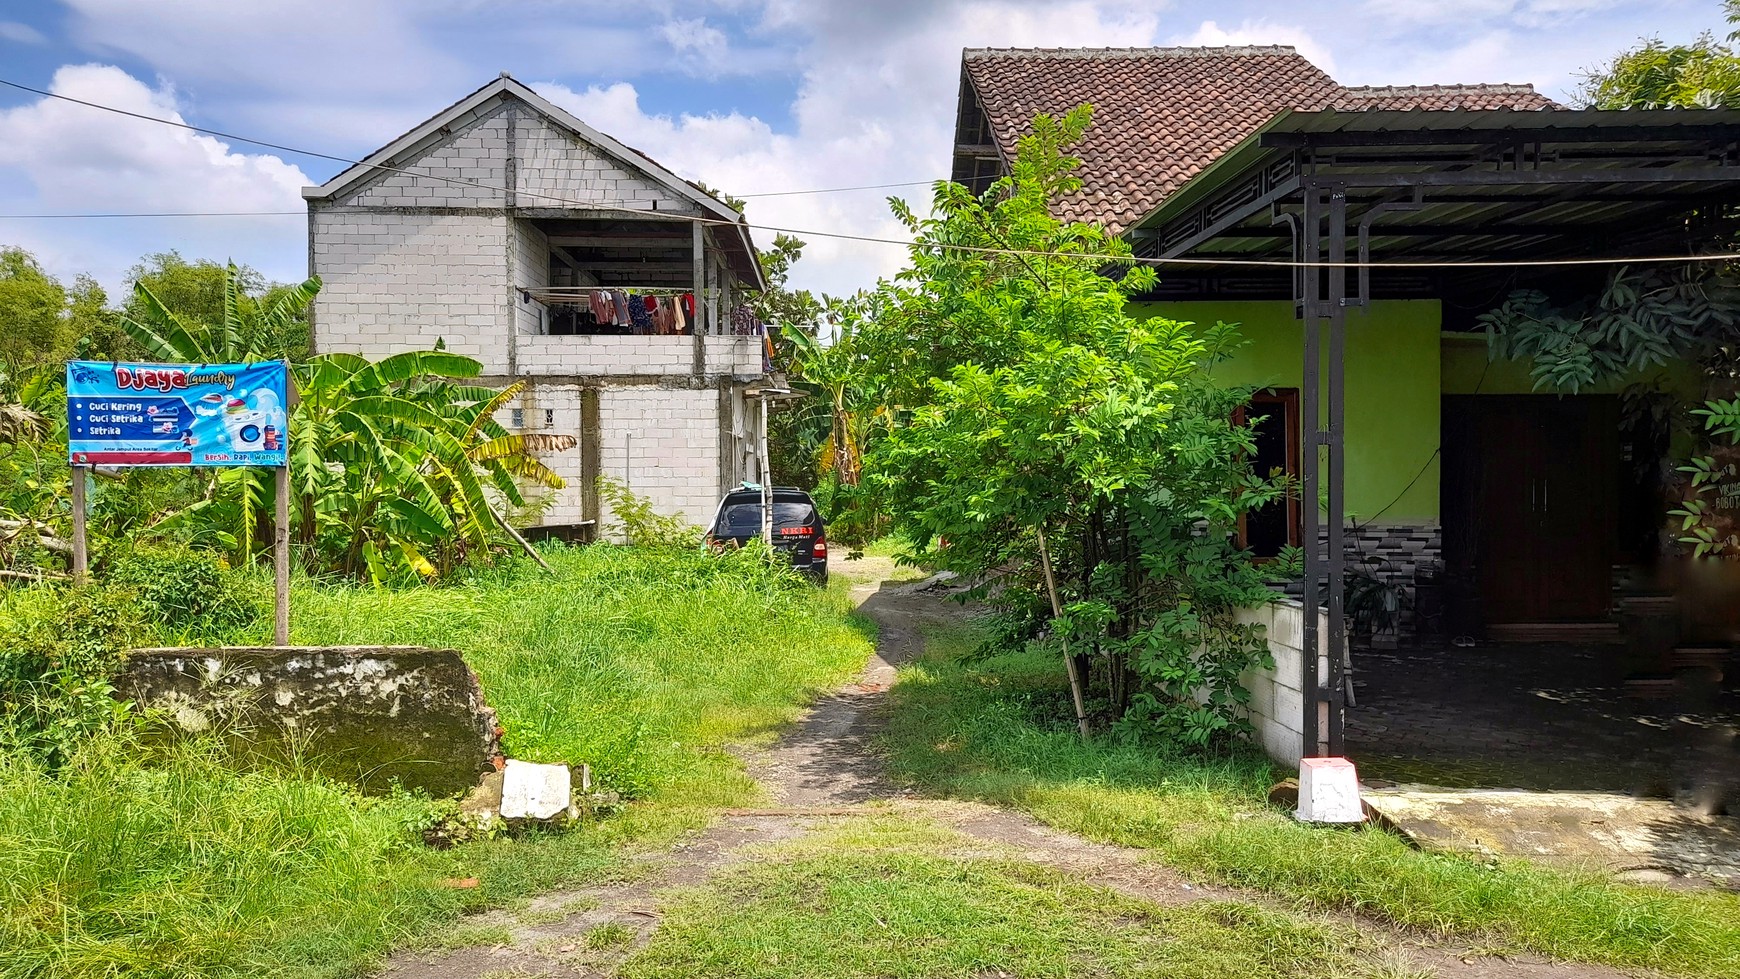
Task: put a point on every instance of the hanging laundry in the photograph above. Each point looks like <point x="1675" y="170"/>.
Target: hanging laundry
<point x="744" y="323"/>
<point x="599" y="304"/>
<point x="679" y="322"/>
<point x="622" y="302"/>
<point x="688" y="302"/>
<point x="638" y="315"/>
<point x="664" y="317"/>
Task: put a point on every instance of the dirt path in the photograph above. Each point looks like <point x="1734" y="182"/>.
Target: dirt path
<point x="826" y="770"/>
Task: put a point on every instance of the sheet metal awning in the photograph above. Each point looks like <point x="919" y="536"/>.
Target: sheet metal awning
<point x="1464" y="185"/>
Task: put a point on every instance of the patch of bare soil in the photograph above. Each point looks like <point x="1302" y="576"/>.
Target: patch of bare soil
<point x="827" y="768"/>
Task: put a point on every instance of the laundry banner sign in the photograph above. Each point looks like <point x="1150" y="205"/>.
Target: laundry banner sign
<point x="176" y="414"/>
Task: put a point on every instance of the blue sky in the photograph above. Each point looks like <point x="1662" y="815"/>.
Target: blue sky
<point x="752" y="96"/>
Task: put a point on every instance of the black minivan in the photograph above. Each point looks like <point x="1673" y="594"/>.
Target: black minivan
<point x="797" y="527"/>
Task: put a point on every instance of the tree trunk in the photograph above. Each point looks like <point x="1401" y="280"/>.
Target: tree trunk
<point x="1068" y="660"/>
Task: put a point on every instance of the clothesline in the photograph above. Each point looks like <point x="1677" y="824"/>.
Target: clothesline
<point x="541" y="293"/>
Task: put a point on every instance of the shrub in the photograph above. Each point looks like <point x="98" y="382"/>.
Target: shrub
<point x="189" y="593"/>
<point x="640" y="524"/>
<point x="58" y="648"/>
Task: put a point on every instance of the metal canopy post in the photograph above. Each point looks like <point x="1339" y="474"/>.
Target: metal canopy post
<point x="1311" y="417"/>
<point x="1323" y="304"/>
<point x="1331" y="693"/>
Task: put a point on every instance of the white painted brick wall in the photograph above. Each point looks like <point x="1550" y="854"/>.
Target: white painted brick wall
<point x="634" y="355"/>
<point x="531" y="271"/>
<point x="396" y="282"/>
<point x="1277" y="706"/>
<point x="468" y="169"/>
<point x="733" y="355"/>
<point x="554" y="168"/>
<point x="554" y="409"/>
<point x="665" y="445"/>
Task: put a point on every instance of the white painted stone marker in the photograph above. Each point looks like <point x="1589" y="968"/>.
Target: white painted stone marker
<point x="1329" y="791"/>
<point x="531" y="791"/>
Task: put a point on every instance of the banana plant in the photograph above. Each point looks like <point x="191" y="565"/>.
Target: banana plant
<point x="398" y="468"/>
<point x="243" y="336"/>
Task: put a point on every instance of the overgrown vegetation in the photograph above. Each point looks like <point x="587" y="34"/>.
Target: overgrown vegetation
<point x="1000" y="729"/>
<point x="1704" y="73"/>
<point x="399" y="470"/>
<point x="643" y="664"/>
<point x="1031" y="434"/>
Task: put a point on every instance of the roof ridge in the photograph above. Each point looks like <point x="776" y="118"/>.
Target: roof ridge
<point x="1490" y="88"/>
<point x="1181" y="51"/>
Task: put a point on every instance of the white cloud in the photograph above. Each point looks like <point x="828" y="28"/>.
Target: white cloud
<point x="703" y="49"/>
<point x="76" y="159"/>
<point x="22" y="33"/>
<point x="1263" y="32"/>
<point x="875" y="105"/>
<point x="872" y="102"/>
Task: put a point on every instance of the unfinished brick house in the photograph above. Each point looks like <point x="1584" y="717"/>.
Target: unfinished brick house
<point x="512" y="232"/>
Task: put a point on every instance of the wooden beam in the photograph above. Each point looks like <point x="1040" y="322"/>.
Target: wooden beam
<point x="567" y="259"/>
<point x="672" y="241"/>
<point x="637" y="266"/>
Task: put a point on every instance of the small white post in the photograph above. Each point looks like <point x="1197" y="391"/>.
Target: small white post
<point x="1329" y="791"/>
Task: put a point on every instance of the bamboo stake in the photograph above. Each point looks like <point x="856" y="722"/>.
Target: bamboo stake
<point x="531" y="551"/>
<point x="1057" y="613"/>
<point x="80" y="555"/>
<point x="281" y="555"/>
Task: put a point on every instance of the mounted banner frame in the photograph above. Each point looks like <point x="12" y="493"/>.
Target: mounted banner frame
<point x="176" y="414"/>
<point x="193" y="415"/>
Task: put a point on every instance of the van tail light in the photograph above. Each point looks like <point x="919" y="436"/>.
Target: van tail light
<point x="821" y="548"/>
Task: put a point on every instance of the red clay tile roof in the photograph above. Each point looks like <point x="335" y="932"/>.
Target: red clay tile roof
<point x="1479" y="97"/>
<point x="1163" y="114"/>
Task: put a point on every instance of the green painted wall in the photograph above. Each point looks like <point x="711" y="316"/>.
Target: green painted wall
<point x="1393" y="378"/>
<point x="1467" y="371"/>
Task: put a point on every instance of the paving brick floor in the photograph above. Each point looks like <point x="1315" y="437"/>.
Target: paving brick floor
<point x="1539" y="717"/>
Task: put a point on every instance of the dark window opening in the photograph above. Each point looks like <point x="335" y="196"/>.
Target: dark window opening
<point x="745" y="518"/>
<point x="1274" y="420"/>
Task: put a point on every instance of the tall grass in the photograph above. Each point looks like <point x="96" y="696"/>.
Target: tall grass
<point x="997" y="729"/>
<point x="644" y="665"/>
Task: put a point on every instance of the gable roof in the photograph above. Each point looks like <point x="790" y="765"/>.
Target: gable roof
<point x="506" y="86"/>
<point x="1162" y="115"/>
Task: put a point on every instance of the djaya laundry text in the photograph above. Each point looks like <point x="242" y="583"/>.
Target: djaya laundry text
<point x="176" y="414"/>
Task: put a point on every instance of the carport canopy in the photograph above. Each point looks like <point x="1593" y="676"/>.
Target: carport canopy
<point x="1334" y="208"/>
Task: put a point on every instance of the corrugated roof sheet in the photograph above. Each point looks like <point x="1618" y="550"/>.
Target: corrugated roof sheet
<point x="1163" y="114"/>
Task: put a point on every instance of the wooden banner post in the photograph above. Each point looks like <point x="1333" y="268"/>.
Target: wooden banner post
<point x="281" y="555"/>
<point x="80" y="556"/>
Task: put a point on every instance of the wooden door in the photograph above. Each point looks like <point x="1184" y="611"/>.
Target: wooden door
<point x="1544" y="497"/>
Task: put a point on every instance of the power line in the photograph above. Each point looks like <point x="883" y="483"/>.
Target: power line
<point x="971" y="249"/>
<point x="1107" y="257"/>
<point x="839" y="190"/>
<point x="595" y="205"/>
<point x="159" y="214"/>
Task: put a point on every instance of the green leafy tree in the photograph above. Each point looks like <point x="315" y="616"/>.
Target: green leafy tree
<point x="33" y="326"/>
<point x="1038" y="433"/>
<point x="205" y="295"/>
<point x="1646" y="317"/>
<point x="1654" y="75"/>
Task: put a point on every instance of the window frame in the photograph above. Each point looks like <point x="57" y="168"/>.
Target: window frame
<point x="1265" y="402"/>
